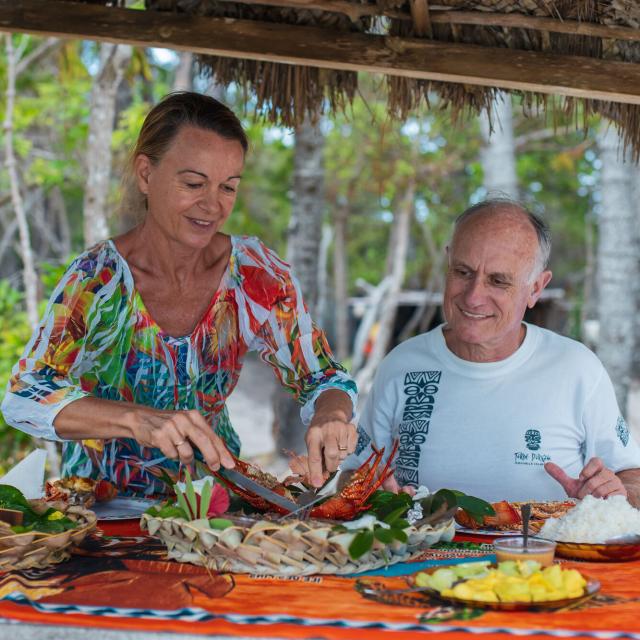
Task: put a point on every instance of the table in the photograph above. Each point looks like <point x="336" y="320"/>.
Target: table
<point x="120" y="586"/>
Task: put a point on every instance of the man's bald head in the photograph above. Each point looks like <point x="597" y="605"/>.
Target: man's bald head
<point x="511" y="208"/>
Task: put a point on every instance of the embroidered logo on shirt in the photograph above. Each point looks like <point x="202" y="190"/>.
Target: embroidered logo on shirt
<point x="533" y="439"/>
<point x="420" y="389"/>
<point x="623" y="431"/>
<point x="534" y="457"/>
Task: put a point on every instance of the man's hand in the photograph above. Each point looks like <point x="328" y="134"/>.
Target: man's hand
<point x="391" y="484"/>
<point x="595" y="480"/>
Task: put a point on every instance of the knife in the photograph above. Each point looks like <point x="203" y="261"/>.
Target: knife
<point x="258" y="489"/>
<point x="305" y="507"/>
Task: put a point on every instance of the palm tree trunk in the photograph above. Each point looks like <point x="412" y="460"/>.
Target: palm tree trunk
<point x="498" y="153"/>
<point x="114" y="59"/>
<point x="302" y="253"/>
<point x="29" y="273"/>
<point x="617" y="258"/>
<point x="398" y="258"/>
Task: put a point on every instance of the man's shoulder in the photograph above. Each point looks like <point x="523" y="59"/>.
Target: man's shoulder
<point x="565" y="350"/>
<point x="416" y="349"/>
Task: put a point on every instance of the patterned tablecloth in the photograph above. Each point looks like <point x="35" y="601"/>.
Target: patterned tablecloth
<point x="120" y="580"/>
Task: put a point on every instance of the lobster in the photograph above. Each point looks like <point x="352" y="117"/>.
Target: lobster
<point x="345" y="505"/>
<point x="507" y="516"/>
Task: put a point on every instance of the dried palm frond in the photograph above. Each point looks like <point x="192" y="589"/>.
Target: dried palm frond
<point x="36" y="549"/>
<point x="289" y="94"/>
<point x="283" y="547"/>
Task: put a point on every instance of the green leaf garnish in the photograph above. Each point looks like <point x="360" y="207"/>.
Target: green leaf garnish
<point x="205" y="499"/>
<point x="191" y="495"/>
<point x="182" y="501"/>
<point x="399" y="534"/>
<point x="220" y="523"/>
<point x="384" y="535"/>
<point x="362" y="543"/>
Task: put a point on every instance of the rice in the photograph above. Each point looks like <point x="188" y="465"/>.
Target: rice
<point x="594" y="520"/>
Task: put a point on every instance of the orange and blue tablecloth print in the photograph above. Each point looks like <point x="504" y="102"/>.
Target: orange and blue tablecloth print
<point x="124" y="582"/>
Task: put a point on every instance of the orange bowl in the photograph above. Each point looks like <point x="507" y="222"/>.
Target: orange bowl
<point x="598" y="552"/>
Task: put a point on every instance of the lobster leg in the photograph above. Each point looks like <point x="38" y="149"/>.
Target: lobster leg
<point x="386" y="472"/>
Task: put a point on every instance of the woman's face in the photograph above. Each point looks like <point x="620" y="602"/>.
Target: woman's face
<point x="192" y="189"/>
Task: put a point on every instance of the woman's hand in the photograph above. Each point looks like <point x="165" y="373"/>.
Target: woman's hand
<point x="176" y="433"/>
<point x="331" y="437"/>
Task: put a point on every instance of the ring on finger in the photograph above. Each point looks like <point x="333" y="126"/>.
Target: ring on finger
<point x="340" y="448"/>
<point x="179" y="444"/>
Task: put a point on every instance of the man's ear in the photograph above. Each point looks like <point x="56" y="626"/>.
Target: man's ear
<point x="538" y="287"/>
<point x="142" y="170"/>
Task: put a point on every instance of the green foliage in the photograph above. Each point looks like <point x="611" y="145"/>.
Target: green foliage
<point x="14" y="334"/>
<point x="372" y="162"/>
<point x="167" y="511"/>
<point x="50" y="521"/>
<point x="264" y="199"/>
<point x="389" y="510"/>
<point x="445" y="499"/>
<point x="220" y="523"/>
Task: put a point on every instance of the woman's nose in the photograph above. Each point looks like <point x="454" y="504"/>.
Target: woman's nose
<point x="209" y="201"/>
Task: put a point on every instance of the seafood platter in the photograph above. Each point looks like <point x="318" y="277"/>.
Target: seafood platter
<point x="507" y="519"/>
<point x="594" y="529"/>
<point x="355" y="528"/>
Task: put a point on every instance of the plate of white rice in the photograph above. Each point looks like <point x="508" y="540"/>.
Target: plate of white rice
<point x="583" y="531"/>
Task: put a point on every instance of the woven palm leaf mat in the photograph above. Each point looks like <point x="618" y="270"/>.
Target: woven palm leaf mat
<point x="126" y="583"/>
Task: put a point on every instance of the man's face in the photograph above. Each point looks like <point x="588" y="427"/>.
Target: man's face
<point x="489" y="286"/>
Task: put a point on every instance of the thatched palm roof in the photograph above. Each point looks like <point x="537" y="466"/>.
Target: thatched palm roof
<point x="301" y="57"/>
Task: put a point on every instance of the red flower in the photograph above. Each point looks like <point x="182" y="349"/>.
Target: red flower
<point x="219" y="501"/>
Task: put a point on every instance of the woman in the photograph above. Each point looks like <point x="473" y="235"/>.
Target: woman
<point x="144" y="337"/>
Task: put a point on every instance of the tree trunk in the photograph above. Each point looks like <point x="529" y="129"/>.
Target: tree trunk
<point x="29" y="273"/>
<point x="617" y="258"/>
<point x="302" y="253"/>
<point x="30" y="278"/>
<point x="57" y="203"/>
<point x="340" y="280"/>
<point x="425" y="313"/>
<point x="183" y="80"/>
<point x="114" y="59"/>
<point x="634" y="178"/>
<point x="324" y="295"/>
<point x="307" y="211"/>
<point x="498" y="153"/>
<point x="398" y="251"/>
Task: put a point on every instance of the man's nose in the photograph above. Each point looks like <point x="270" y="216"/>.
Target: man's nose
<point x="475" y="293"/>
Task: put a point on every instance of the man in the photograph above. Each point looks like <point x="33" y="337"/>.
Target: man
<point x="491" y="405"/>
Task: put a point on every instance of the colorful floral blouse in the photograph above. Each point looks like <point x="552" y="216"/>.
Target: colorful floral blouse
<point x="97" y="339"/>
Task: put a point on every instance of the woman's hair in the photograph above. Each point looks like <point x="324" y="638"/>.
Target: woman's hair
<point x="162" y="125"/>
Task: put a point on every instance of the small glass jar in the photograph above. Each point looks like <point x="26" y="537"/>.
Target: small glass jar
<point x="512" y="548"/>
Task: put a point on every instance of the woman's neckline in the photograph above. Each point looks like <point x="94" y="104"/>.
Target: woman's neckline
<point x="214" y="298"/>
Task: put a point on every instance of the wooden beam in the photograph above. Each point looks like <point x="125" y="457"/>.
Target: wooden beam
<point x="445" y="15"/>
<point x="351" y="9"/>
<point x="536" y="23"/>
<point x="575" y="76"/>
<point x="420" y="16"/>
